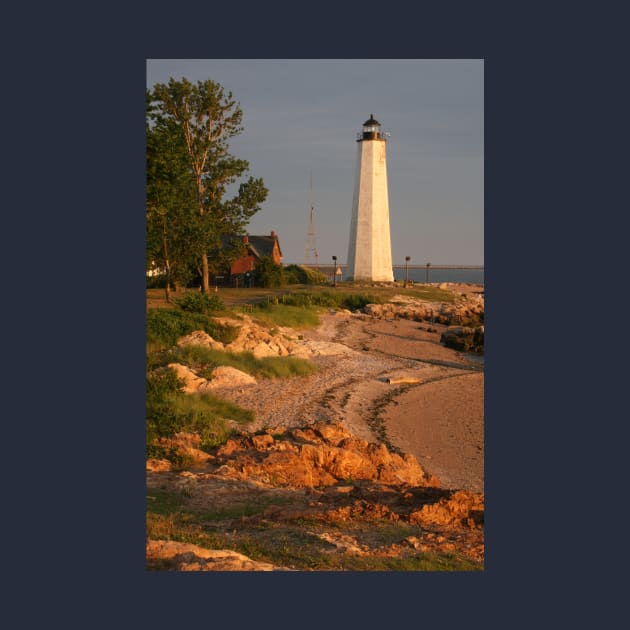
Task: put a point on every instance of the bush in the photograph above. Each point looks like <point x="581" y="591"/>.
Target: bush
<point x="170" y="411"/>
<point x="268" y="274"/>
<point x="162" y="385"/>
<point x="199" y="302"/>
<point x="165" y="326"/>
<point x="297" y="274"/>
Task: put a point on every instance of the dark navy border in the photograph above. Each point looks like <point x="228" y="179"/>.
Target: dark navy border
<point x="74" y="99"/>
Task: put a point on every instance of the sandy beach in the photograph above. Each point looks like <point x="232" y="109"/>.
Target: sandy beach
<point x="387" y="380"/>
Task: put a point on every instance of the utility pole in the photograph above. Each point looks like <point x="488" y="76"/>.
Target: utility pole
<point x="334" y="271"/>
<point x="407" y="259"/>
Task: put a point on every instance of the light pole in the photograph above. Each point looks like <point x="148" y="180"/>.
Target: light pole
<point x="334" y="271"/>
<point x="427" y="276"/>
<point x="407" y="259"/>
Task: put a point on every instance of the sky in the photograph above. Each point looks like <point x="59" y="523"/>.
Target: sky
<point x="300" y="120"/>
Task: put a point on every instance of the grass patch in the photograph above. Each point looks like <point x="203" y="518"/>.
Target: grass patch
<point x="169" y="411"/>
<point x="431" y="294"/>
<point x="300" y="309"/>
<point x="167" y="503"/>
<point x="323" y="299"/>
<point x="270" y="314"/>
<point x="165" y="326"/>
<point x="203" y="360"/>
<point x="291" y="544"/>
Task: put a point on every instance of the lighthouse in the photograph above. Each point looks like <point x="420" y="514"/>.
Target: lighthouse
<point x="370" y="247"/>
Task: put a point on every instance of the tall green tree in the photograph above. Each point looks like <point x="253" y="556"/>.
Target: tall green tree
<point x="172" y="219"/>
<point x="205" y="117"/>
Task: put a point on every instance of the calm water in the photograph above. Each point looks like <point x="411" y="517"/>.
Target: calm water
<point x="474" y="276"/>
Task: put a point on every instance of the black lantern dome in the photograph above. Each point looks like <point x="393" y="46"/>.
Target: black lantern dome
<point x="371" y="130"/>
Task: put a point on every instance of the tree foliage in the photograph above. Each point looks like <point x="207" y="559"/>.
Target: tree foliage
<point x="195" y="122"/>
<point x="174" y="232"/>
<point x="268" y="273"/>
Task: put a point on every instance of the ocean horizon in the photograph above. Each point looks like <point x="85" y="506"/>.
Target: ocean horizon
<point x="466" y="276"/>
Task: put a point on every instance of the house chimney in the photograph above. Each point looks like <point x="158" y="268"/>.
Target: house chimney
<point x="245" y="239"/>
<point x="273" y="234"/>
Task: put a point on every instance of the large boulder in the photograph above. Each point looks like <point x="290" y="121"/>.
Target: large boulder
<point x="225" y="376"/>
<point x="222" y="376"/>
<point x="464" y="338"/>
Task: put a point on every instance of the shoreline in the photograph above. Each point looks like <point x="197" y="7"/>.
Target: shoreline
<point x="432" y="410"/>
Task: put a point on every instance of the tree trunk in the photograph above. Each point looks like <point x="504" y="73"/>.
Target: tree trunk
<point x="167" y="264"/>
<point x="205" y="273"/>
<point x="205" y="281"/>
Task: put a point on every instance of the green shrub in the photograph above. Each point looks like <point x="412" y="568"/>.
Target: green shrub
<point x="169" y="410"/>
<point x="165" y="326"/>
<point x="268" y="273"/>
<point x="199" y="302"/>
<point x="297" y="274"/>
<point x="162" y="385"/>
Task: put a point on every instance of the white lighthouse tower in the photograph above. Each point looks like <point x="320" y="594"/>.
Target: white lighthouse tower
<point x="370" y="247"/>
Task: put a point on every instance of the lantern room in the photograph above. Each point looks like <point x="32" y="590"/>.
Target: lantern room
<point x="371" y="130"/>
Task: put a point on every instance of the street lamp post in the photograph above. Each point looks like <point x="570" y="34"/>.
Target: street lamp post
<point x="407" y="259"/>
<point x="334" y="271"/>
<point x="427" y="276"/>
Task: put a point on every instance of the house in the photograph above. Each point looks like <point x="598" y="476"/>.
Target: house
<point x="256" y="247"/>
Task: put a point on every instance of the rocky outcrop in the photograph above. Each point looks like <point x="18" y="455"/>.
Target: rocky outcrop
<point x="465" y="311"/>
<point x="200" y="338"/>
<point x="186" y="445"/>
<point x="178" y="556"/>
<point x="221" y="377"/>
<point x="258" y="340"/>
<point x="251" y="338"/>
<point x="317" y="488"/>
<point x="464" y="338"/>
<point x="226" y="376"/>
<point x="460" y="509"/>
<point x="320" y="455"/>
<point x="192" y="381"/>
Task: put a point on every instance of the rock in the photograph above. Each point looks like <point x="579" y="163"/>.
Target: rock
<point x="331" y="433"/>
<point x="321" y="455"/>
<point x="158" y="465"/>
<point x="187" y="444"/>
<point x="225" y="376"/>
<point x="188" y="557"/>
<point x="261" y="442"/>
<point x="462" y="508"/>
<point x="466" y="310"/>
<point x="464" y="338"/>
<point x="222" y="376"/>
<point x="192" y="381"/>
<point x="200" y="338"/>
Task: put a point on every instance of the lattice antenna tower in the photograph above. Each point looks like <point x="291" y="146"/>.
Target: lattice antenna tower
<point x="311" y="240"/>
